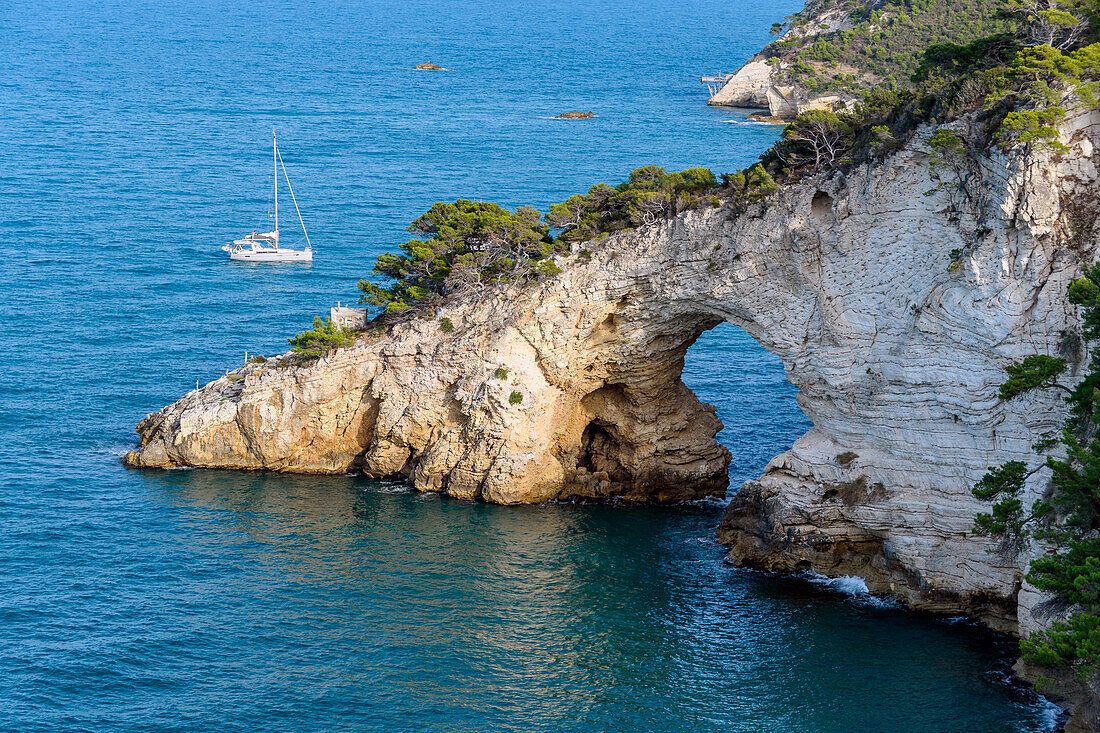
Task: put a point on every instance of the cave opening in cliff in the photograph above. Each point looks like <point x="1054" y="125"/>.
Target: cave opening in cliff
<point x="599" y="451"/>
<point x="756" y="403"/>
<point x="821" y="208"/>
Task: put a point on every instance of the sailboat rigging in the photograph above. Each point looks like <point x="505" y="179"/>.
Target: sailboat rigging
<point x="264" y="246"/>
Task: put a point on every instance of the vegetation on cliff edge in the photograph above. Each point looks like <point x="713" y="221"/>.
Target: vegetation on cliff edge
<point x="1067" y="518"/>
<point x="852" y="46"/>
<point x="465" y="246"/>
<point x="322" y="338"/>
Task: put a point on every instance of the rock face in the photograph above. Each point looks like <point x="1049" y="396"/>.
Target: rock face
<point x="893" y="301"/>
<point x="756" y="84"/>
<point x="748" y="87"/>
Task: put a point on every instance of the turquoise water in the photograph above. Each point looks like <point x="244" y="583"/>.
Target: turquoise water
<point x="133" y="142"/>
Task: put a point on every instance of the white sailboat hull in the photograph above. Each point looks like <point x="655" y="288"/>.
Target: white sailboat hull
<point x="264" y="247"/>
<point x="280" y="255"/>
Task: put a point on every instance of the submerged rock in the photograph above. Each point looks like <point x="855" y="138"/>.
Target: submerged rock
<point x="576" y="115"/>
<point x="430" y="67"/>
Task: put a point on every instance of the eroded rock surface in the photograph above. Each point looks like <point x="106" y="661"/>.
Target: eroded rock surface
<point x="894" y="302"/>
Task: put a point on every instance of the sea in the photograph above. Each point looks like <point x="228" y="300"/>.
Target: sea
<point x="134" y="141"/>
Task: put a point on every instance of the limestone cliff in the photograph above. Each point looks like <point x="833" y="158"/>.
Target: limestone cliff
<point x="763" y="83"/>
<point x="759" y="85"/>
<point x="894" y="303"/>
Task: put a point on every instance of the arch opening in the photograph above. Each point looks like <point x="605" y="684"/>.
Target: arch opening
<point x="757" y="404"/>
<point x="599" y="453"/>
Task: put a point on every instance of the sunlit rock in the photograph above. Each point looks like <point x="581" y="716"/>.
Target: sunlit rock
<point x="893" y="306"/>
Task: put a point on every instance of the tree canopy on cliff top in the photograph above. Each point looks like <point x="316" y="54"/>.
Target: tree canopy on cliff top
<point x="876" y="43"/>
<point x="462" y="247"/>
<point x="465" y="245"/>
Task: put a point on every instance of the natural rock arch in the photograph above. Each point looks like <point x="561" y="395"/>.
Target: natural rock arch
<point x="849" y="279"/>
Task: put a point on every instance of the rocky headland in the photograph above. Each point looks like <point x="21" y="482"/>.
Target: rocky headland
<point x="911" y="252"/>
<point x="571" y="387"/>
<point x="826" y="56"/>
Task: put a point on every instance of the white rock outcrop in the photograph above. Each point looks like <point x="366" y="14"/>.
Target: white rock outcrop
<point x="748" y="87"/>
<point x="572" y="387"/>
<point x="756" y="85"/>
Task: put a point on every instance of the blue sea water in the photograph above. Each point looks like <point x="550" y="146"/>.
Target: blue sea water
<point x="134" y="142"/>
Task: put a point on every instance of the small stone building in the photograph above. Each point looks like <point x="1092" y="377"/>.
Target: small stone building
<point x="345" y="317"/>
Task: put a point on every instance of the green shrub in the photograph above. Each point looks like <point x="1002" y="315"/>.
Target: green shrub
<point x="1085" y="292"/>
<point x="322" y="338"/>
<point x="882" y="138"/>
<point x="651" y="193"/>
<point x="1033" y="372"/>
<point x="394" y="307"/>
<point x="546" y="269"/>
<point x="1066" y="642"/>
<point x="750" y="185"/>
<point x="501" y="373"/>
<point x="947" y="147"/>
<point x="445" y="325"/>
<point x="1032" y="127"/>
<point x="822" y="50"/>
<point x="515" y="398"/>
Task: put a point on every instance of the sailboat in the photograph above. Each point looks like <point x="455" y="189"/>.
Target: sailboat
<point x="264" y="246"/>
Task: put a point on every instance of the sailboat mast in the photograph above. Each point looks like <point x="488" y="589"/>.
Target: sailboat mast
<point x="275" y="170"/>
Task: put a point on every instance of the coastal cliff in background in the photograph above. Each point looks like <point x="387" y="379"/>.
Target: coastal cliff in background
<point x="833" y="51"/>
<point x="893" y="302"/>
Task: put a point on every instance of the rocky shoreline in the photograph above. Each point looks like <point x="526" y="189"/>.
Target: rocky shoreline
<point x="846" y="277"/>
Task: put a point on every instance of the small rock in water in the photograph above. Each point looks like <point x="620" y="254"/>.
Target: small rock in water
<point x="575" y="116"/>
<point x="761" y="117"/>
<point x="429" y="67"/>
